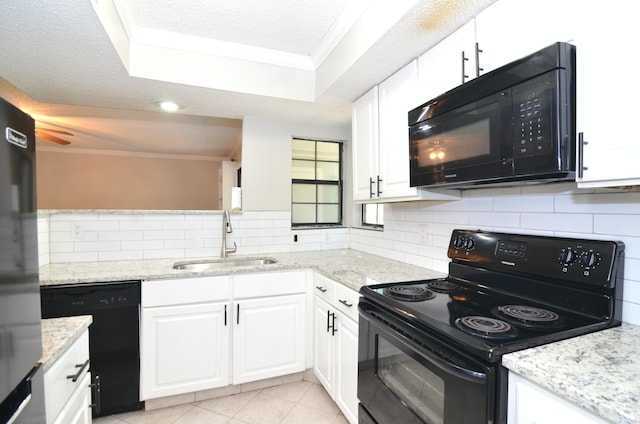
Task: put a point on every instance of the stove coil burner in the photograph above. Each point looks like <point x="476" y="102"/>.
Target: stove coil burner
<point x="414" y="293"/>
<point x="443" y="286"/>
<point x="489" y="328"/>
<point x="529" y="316"/>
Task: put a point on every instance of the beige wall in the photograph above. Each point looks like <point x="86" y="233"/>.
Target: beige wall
<point x="97" y="181"/>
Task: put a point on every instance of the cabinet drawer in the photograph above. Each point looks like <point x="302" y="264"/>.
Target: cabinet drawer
<point x="269" y="284"/>
<point x="78" y="408"/>
<point x="182" y="291"/>
<point x="347" y="301"/>
<point x="324" y="288"/>
<point x="59" y="386"/>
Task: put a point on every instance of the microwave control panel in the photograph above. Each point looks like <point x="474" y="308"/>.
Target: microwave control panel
<point x="532" y="113"/>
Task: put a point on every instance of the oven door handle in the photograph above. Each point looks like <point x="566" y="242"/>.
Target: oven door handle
<point x="437" y="361"/>
<point x="452" y="368"/>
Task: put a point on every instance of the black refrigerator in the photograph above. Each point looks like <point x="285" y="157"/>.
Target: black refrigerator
<point x="20" y="327"/>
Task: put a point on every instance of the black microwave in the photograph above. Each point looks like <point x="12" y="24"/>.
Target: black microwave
<point x="515" y="124"/>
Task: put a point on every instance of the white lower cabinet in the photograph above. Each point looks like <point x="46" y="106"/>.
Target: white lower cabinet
<point x="336" y="343"/>
<point x="184" y="349"/>
<point x="78" y="408"/>
<point x="346" y="394"/>
<point x="66" y="386"/>
<point x="184" y="337"/>
<point x="268" y="337"/>
<point x="203" y="333"/>
<point x="532" y="404"/>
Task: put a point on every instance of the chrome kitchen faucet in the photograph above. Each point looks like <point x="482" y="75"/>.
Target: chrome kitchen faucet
<point x="226" y="228"/>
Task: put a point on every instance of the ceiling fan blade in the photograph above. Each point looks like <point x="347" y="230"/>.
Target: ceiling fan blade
<point x="53" y="131"/>
<point x="52" y="138"/>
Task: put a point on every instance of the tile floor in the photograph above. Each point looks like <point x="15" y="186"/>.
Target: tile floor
<point x="301" y="402"/>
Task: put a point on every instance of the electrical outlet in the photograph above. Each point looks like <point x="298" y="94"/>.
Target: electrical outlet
<point x="422" y="234"/>
<point x="77" y="231"/>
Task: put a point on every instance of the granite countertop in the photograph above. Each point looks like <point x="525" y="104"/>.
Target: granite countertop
<point x="598" y="371"/>
<point x="349" y="267"/>
<point x="60" y="333"/>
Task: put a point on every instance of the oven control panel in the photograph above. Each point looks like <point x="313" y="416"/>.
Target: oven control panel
<point x="591" y="262"/>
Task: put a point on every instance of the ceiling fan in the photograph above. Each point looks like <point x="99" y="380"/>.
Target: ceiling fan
<point x="46" y="133"/>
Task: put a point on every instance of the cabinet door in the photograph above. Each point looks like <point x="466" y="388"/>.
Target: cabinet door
<point x="184" y="349"/>
<point x="531" y="404"/>
<point x="347" y="367"/>
<point x="78" y="408"/>
<point x="441" y="67"/>
<point x="398" y="95"/>
<point x="324" y="345"/>
<point x="365" y="145"/>
<point x="521" y="33"/>
<point x="268" y="337"/>
<point x="606" y="69"/>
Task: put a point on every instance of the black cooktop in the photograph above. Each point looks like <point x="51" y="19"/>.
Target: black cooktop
<point x="509" y="292"/>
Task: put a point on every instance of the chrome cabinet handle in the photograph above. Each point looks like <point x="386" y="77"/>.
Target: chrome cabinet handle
<point x="478" y="68"/>
<point x="581" y="144"/>
<point x="464" y="59"/>
<point x="331" y="322"/>
<point x="225" y="315"/>
<point x="82" y="367"/>
<point x="345" y="303"/>
<point x="371" y="193"/>
<point x="238" y="314"/>
<point x="322" y="289"/>
<point x="378" y="185"/>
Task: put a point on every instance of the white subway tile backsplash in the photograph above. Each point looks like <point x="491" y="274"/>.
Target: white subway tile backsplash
<point x="580" y="223"/>
<point x="491" y="219"/>
<point x="623" y="225"/>
<point x="164" y="235"/>
<point x="524" y="204"/>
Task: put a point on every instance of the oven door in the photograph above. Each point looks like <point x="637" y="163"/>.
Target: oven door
<point x="466" y="144"/>
<point x="406" y="376"/>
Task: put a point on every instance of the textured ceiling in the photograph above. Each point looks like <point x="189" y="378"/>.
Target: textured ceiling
<point x="59" y="54"/>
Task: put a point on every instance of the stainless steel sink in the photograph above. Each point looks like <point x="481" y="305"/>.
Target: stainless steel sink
<point x="222" y="263"/>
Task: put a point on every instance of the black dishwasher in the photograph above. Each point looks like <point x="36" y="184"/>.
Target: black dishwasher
<point x="114" y="346"/>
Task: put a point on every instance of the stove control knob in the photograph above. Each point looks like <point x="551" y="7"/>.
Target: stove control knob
<point x="469" y="243"/>
<point x="458" y="242"/>
<point x="567" y="256"/>
<point x="590" y="259"/>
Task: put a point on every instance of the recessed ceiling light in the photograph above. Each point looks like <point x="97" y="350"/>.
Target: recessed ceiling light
<point x="169" y="106"/>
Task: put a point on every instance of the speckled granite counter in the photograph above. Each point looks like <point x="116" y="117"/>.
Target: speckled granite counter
<point x="349" y="267"/>
<point x="598" y="371"/>
<point x="60" y="333"/>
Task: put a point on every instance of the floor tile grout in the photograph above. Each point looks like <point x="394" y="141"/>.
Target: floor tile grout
<point x="272" y="399"/>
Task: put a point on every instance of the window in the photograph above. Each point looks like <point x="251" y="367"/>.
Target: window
<point x="373" y="215"/>
<point x="316" y="192"/>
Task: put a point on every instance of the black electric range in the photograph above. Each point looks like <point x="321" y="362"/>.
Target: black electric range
<point x="504" y="293"/>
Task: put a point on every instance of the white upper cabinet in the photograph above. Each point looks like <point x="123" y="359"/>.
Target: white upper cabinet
<point x="448" y="64"/>
<point x="506" y="31"/>
<point x="606" y="66"/>
<point x="398" y="95"/>
<point x="365" y="145"/>
<point x="380" y="133"/>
